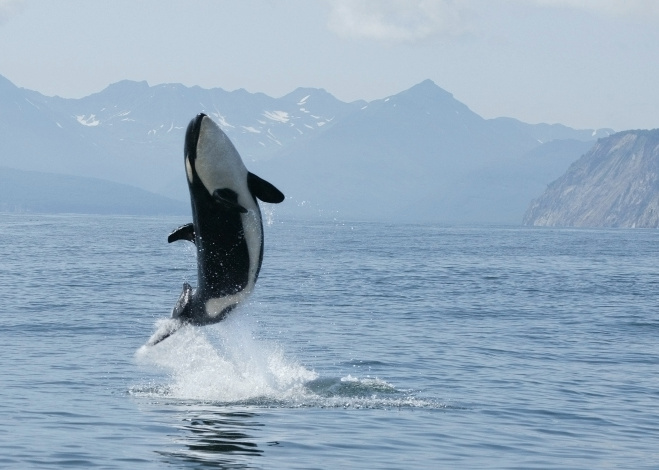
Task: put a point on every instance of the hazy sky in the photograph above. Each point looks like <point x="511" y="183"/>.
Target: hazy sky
<point x="584" y="63"/>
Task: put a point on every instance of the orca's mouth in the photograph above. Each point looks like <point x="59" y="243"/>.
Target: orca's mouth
<point x="192" y="136"/>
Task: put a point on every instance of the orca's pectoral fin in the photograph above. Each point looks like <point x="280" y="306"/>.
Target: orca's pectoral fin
<point x="263" y="190"/>
<point x="184" y="232"/>
<point x="228" y="199"/>
<point x="183" y="306"/>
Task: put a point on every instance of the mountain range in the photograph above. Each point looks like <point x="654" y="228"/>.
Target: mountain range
<point x="419" y="155"/>
<point x="34" y="191"/>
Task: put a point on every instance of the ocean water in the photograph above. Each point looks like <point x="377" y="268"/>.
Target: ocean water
<point x="364" y="345"/>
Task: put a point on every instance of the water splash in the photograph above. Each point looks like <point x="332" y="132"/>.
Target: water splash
<point x="226" y="364"/>
<point x="268" y="211"/>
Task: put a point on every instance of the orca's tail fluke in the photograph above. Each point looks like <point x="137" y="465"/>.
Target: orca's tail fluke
<point x="180" y="315"/>
<point x="166" y="329"/>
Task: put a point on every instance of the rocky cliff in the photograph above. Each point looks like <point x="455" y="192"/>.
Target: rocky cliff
<point x="615" y="184"/>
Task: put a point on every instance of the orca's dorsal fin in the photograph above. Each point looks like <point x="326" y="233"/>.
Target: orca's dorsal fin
<point x="263" y="190"/>
<point x="183" y="306"/>
<point x="228" y="199"/>
<point x="184" y="232"/>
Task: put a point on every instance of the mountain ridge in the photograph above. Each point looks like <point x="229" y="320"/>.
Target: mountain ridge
<point x="399" y="151"/>
<point x="38" y="192"/>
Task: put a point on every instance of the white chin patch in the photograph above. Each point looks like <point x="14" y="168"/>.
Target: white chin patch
<point x="188" y="169"/>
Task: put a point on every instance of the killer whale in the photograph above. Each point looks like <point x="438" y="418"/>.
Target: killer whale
<point x="226" y="228"/>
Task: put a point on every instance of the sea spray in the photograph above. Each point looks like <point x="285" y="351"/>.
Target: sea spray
<point x="226" y="363"/>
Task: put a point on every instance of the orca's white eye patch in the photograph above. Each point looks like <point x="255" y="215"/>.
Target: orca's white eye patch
<point x="188" y="169"/>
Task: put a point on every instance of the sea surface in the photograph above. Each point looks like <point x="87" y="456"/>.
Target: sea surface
<point x="364" y="345"/>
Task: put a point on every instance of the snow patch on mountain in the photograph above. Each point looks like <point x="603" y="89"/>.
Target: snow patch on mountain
<point x="90" y="121"/>
<point x="273" y="138"/>
<point x="222" y="121"/>
<point x="277" y="116"/>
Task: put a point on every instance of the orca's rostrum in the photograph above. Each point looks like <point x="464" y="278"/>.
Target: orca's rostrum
<point x="226" y="227"/>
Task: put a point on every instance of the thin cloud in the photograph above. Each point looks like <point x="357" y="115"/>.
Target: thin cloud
<point x="9" y="9"/>
<point x="396" y="20"/>
<point x="633" y="8"/>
